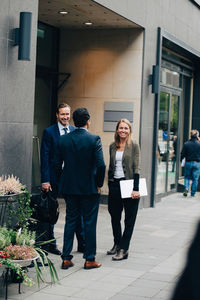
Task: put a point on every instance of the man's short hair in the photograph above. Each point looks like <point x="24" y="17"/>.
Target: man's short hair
<point x="80" y="116"/>
<point x="62" y="105"/>
<point x="194" y="133"/>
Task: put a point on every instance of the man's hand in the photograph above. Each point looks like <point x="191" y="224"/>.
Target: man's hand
<point x="99" y="190"/>
<point x="135" y="195"/>
<point x="46" y="187"/>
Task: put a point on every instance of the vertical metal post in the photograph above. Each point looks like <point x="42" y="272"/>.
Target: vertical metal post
<point x="156" y="120"/>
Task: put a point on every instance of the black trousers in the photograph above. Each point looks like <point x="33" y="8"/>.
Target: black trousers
<point x="115" y="207"/>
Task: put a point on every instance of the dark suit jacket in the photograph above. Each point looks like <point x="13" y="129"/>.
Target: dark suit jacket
<point x="84" y="167"/>
<point x="49" y="144"/>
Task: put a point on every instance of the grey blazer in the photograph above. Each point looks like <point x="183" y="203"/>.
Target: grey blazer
<point x="130" y="161"/>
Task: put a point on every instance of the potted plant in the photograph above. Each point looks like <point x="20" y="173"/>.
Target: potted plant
<point x="18" y="244"/>
<point x="18" y="249"/>
<point x="14" y="202"/>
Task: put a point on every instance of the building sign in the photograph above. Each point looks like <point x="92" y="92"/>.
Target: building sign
<point x="196" y="2"/>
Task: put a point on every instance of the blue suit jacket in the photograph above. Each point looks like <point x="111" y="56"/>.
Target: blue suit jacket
<point x="84" y="167"/>
<point x="49" y="144"/>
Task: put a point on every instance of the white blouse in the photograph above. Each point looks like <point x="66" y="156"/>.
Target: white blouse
<point x="119" y="172"/>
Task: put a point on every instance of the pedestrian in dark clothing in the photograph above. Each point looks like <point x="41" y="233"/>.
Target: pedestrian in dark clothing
<point x="191" y="153"/>
<point x="174" y="154"/>
<point x="188" y="287"/>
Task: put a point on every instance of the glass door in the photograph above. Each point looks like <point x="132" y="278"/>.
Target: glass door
<point x="168" y="137"/>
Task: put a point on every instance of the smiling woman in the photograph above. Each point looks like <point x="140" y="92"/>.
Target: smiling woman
<point x="124" y="164"/>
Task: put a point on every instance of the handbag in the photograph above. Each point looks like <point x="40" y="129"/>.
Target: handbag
<point x="45" y="207"/>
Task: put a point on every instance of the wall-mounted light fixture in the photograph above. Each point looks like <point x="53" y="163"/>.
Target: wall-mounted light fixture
<point x="23" y="36"/>
<point x="63" y="12"/>
<point x="88" y="23"/>
<point x="154" y="79"/>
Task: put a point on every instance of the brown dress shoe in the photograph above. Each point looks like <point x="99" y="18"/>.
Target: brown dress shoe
<point x="91" y="265"/>
<point x="67" y="264"/>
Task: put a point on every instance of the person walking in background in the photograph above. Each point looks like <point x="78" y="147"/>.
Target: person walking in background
<point x="124" y="164"/>
<point x="174" y="153"/>
<point x="49" y="143"/>
<point x="191" y="153"/>
<point x="79" y="182"/>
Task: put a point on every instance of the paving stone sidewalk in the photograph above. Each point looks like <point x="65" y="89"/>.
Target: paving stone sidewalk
<point x="157" y="254"/>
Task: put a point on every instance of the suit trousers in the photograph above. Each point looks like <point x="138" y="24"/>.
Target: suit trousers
<point x="79" y="227"/>
<point x="87" y="206"/>
<point x="115" y="207"/>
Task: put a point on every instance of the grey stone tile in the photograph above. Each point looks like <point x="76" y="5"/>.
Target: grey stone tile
<point x="141" y="291"/>
<point x="163" y="295"/>
<point x="108" y="286"/>
<point x="100" y="294"/>
<point x="148" y="284"/>
<point x="61" y="290"/>
<point x="82" y="283"/>
<point x="158" y="276"/>
<point x="117" y="279"/>
<point x="43" y="296"/>
<point x="127" y="297"/>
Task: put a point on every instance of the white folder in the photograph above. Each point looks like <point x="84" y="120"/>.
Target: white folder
<point x="126" y="187"/>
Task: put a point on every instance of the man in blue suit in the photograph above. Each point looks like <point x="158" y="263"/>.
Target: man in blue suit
<point x="80" y="183"/>
<point x="49" y="144"/>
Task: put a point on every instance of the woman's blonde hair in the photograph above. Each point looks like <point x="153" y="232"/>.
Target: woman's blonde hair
<point x="117" y="138"/>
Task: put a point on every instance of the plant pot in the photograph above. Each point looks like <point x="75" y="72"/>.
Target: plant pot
<point x="5" y="202"/>
<point x="24" y="262"/>
<point x="8" y="202"/>
<point x="2" y="268"/>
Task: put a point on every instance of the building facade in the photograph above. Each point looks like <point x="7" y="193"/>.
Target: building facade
<point x="134" y="59"/>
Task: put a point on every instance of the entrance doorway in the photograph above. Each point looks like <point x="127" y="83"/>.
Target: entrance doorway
<point x="168" y="140"/>
<point x="46" y="86"/>
<point x="44" y="116"/>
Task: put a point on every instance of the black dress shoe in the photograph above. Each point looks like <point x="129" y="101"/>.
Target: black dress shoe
<point x="114" y="250"/>
<point x="121" y="254"/>
<point x="54" y="250"/>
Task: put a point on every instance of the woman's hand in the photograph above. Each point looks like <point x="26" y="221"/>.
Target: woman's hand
<point x="135" y="195"/>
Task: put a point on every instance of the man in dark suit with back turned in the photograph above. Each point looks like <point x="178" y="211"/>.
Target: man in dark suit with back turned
<point x="80" y="183"/>
<point x="50" y="140"/>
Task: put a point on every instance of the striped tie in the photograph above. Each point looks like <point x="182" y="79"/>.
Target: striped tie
<point x="65" y="130"/>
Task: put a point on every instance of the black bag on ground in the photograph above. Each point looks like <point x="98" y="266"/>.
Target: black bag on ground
<point x="45" y="207"/>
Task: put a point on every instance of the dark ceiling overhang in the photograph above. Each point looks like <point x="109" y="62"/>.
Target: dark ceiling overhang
<point x="78" y="13"/>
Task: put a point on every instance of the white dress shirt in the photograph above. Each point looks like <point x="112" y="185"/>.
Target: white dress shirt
<point x="60" y="126"/>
